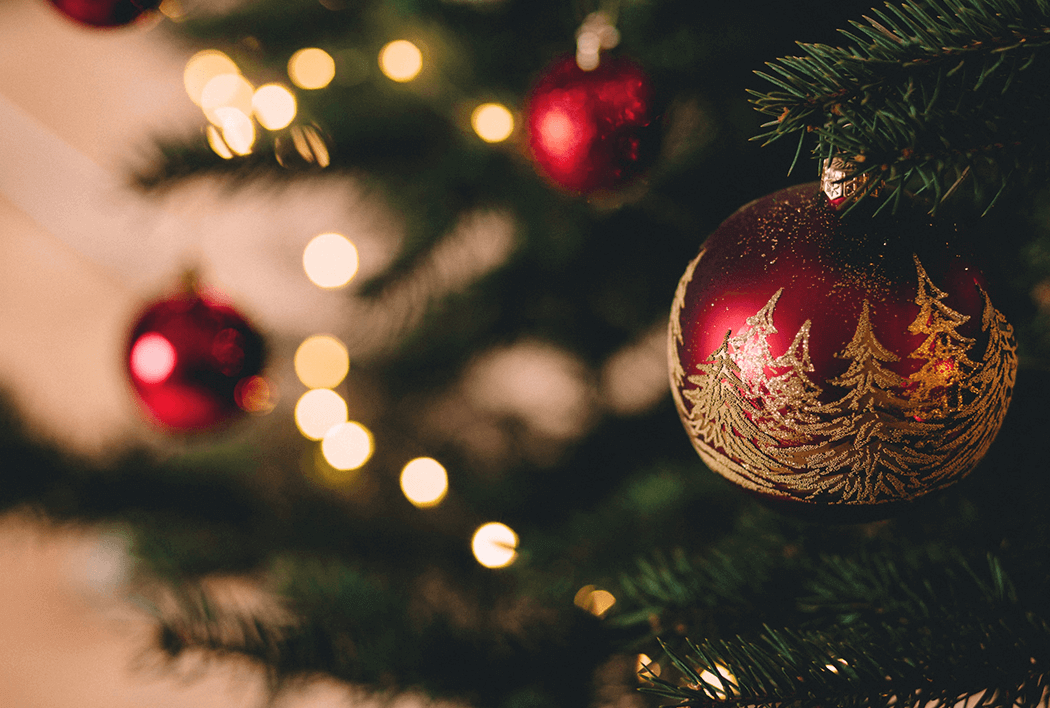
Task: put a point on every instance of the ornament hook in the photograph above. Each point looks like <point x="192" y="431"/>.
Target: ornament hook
<point x="840" y="182"/>
<point x="595" y="34"/>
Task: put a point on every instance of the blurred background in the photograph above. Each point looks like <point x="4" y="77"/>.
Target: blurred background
<point x="419" y="287"/>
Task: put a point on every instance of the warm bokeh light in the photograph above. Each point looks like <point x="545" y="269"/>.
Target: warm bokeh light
<point x="721" y="685"/>
<point x="318" y="411"/>
<point x="153" y="358"/>
<point x="311" y="68"/>
<point x="835" y="669"/>
<point x="274" y="106"/>
<point x="321" y="361"/>
<point x="495" y="545"/>
<point x="645" y="666"/>
<point x="330" y="260"/>
<point x="492" y="122"/>
<point x="223" y="92"/>
<point x="202" y="68"/>
<point x="424" y="482"/>
<point x="400" y="60"/>
<point x="301" y="146"/>
<point x="218" y="143"/>
<point x="594" y="600"/>
<point x="255" y="394"/>
<point x="238" y="130"/>
<point x="347" y="446"/>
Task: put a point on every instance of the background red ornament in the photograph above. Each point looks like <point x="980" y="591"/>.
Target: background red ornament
<point x="826" y="362"/>
<point x="592" y="130"/>
<point x="191" y="360"/>
<point x="104" y="13"/>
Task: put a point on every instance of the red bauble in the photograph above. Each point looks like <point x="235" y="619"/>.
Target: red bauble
<point x="842" y="365"/>
<point x="104" y="13"/>
<point x="592" y="130"/>
<point x="190" y="359"/>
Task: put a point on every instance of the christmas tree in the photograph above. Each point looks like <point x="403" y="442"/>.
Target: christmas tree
<point x="501" y="333"/>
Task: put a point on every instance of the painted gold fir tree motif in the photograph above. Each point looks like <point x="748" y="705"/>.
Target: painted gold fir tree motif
<point x="764" y="423"/>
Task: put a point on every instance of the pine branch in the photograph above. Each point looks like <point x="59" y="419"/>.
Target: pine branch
<point x="932" y="95"/>
<point x="927" y="646"/>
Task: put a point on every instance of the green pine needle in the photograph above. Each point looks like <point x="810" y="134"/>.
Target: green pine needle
<point x="929" y="91"/>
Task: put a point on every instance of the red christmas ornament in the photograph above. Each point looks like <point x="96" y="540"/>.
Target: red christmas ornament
<point x="837" y="366"/>
<point x="591" y="130"/>
<point x="104" y="13"/>
<point x="193" y="361"/>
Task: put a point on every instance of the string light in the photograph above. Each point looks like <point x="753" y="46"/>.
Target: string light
<point x="318" y="411"/>
<point x="238" y="130"/>
<point x="495" y="545"/>
<point x="400" y="60"/>
<point x="321" y="361"/>
<point x="311" y="68"/>
<point x="424" y="482"/>
<point x="201" y="68"/>
<point x="644" y="666"/>
<point x="226" y="91"/>
<point x="492" y="122"/>
<point x="330" y="260"/>
<point x="274" y="106"/>
<point x="347" y="446"/>
<point x="718" y="686"/>
<point x="218" y="143"/>
<point x="594" y="600"/>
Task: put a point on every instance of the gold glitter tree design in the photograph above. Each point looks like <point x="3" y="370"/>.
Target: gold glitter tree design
<point x="934" y="390"/>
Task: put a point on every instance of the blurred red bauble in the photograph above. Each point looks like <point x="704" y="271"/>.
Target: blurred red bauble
<point x="105" y="13"/>
<point x="192" y="360"/>
<point x="592" y="130"/>
<point x="841" y="367"/>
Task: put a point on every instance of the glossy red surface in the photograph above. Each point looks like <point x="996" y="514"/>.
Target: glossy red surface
<point x="591" y="130"/>
<point x="794" y="239"/>
<point x="186" y="357"/>
<point x="104" y="13"/>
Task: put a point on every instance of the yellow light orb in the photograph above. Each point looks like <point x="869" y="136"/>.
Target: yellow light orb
<point x="217" y="143"/>
<point x="330" y="260"/>
<point x="720" y="685"/>
<point x="644" y="666"/>
<point x="238" y="130"/>
<point x="347" y="446"/>
<point x="311" y="68"/>
<point x="492" y="122"/>
<point x="202" y="68"/>
<point x="226" y="91"/>
<point x="318" y="411"/>
<point x="321" y="361"/>
<point x="274" y="106"/>
<point x="400" y="60"/>
<point x="594" y="600"/>
<point x="424" y="482"/>
<point x="495" y="545"/>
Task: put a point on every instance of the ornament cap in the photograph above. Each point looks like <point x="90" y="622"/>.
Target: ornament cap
<point x="840" y="183"/>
